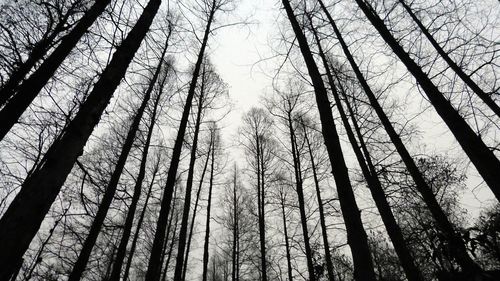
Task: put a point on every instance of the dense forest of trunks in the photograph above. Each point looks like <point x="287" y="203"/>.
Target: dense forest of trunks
<point x="116" y="162"/>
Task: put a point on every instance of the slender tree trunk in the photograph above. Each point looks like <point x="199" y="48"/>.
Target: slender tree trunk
<point x="460" y="252"/>
<point x="139" y="225"/>
<point x="37" y="259"/>
<point x="235" y="227"/>
<point x="207" y="230"/>
<point x="260" y="206"/>
<point x="22" y="219"/>
<point x="485" y="161"/>
<point x="127" y="228"/>
<point x="300" y="193"/>
<point x="238" y="253"/>
<point x="188" y="247"/>
<point x="172" y="244"/>
<point x="109" y="194"/>
<point x="411" y="270"/>
<point x="154" y="267"/>
<point x="179" y="264"/>
<point x="287" y="244"/>
<point x="452" y="64"/>
<point x="167" y="238"/>
<point x="29" y="89"/>
<point x="356" y="235"/>
<point x="324" y="234"/>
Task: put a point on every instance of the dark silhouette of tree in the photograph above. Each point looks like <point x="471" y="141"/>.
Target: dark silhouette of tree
<point x="127" y="228"/>
<point x="30" y="88"/>
<point x="285" y="108"/>
<point x="154" y="265"/>
<point x="453" y="65"/>
<point x="259" y="149"/>
<point x="82" y="260"/>
<point x="21" y="221"/>
<point x="356" y="235"/>
<point x="461" y="253"/>
<point x="59" y="19"/>
<point x="215" y="142"/>
<point x="486" y="163"/>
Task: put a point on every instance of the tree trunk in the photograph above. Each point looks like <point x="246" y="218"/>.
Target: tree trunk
<point x="300" y="193"/>
<point x="172" y="244"/>
<point x="411" y="270"/>
<point x="154" y="266"/>
<point x="109" y="194"/>
<point x="207" y="230"/>
<point x="139" y="225"/>
<point x="481" y="156"/>
<point x="356" y="235"/>
<point x="287" y="245"/>
<point x="453" y="65"/>
<point x="205" y="166"/>
<point x="234" y="276"/>
<point x="179" y="264"/>
<point x="22" y="219"/>
<point x="260" y="207"/>
<point x="127" y="228"/>
<point x="29" y="89"/>
<point x="324" y="234"/>
<point x="422" y="186"/>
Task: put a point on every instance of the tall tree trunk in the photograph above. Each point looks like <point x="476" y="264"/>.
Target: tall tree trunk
<point x="172" y="244"/>
<point x="235" y="228"/>
<point x="29" y="89"/>
<point x="411" y="270"/>
<point x="22" y="219"/>
<point x="188" y="247"/>
<point x="179" y="264"/>
<point x="287" y="244"/>
<point x="460" y="252"/>
<point x="324" y="233"/>
<point x="356" y="235"/>
<point x="109" y="194"/>
<point x="452" y="64"/>
<point x="300" y="193"/>
<point x="139" y="225"/>
<point x="485" y="161"/>
<point x="127" y="228"/>
<point x="207" y="229"/>
<point x="154" y="266"/>
<point x="261" y="210"/>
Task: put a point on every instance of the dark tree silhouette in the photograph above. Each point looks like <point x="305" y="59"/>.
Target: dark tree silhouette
<point x="21" y="221"/>
<point x="356" y="235"/>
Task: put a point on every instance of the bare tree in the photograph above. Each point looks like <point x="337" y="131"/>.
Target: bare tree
<point x="356" y="235"/>
<point x="26" y="212"/>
